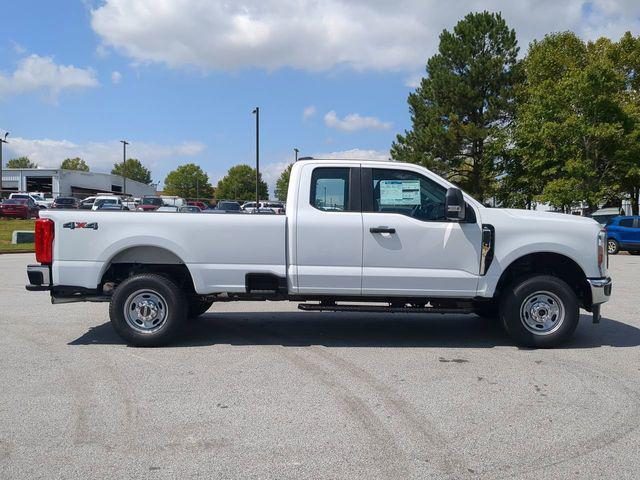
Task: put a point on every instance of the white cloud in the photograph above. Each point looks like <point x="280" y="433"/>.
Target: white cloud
<point x="18" y="48"/>
<point x="355" y="154"/>
<point x="354" y="122"/>
<point x="100" y="156"/>
<point x="321" y="34"/>
<point x="116" y="77"/>
<point x="271" y="172"/>
<point x="308" y="112"/>
<point x="36" y="73"/>
<point x="413" y="81"/>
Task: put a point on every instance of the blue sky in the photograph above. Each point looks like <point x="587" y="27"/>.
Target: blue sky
<point x="179" y="79"/>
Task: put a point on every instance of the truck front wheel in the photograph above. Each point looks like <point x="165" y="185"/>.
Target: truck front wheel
<point x="197" y="306"/>
<point x="148" y="310"/>
<point x="540" y="311"/>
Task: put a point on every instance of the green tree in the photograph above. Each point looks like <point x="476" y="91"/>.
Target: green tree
<point x="21" y="162"/>
<point x="571" y="125"/>
<point x="188" y="181"/>
<point x="625" y="57"/>
<point x="74" y="164"/>
<point x="282" y="184"/>
<point x="462" y="108"/>
<point x="240" y="184"/>
<point x="132" y="169"/>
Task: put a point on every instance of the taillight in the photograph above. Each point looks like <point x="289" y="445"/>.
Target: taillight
<point x="44" y="240"/>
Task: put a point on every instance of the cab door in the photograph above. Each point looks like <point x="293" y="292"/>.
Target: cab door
<point x="409" y="247"/>
<point x="328" y="230"/>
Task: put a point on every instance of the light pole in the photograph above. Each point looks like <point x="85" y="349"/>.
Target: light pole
<point x="295" y="151"/>
<point x="124" y="162"/>
<point x="257" y="113"/>
<point x="2" y="140"/>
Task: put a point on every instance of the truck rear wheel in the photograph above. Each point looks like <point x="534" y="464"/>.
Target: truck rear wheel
<point x="540" y="311"/>
<point x="148" y="310"/>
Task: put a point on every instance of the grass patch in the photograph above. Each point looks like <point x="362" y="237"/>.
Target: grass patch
<point x="7" y="226"/>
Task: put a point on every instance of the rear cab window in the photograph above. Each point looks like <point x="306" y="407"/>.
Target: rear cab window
<point x="330" y="189"/>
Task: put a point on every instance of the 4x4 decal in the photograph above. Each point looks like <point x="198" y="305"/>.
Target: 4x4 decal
<point x="74" y="225"/>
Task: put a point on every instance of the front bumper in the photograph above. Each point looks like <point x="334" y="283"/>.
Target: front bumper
<point x="39" y="278"/>
<point x="600" y="293"/>
<point x="600" y="289"/>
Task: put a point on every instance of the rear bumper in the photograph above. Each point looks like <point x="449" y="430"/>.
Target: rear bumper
<point x="39" y="278"/>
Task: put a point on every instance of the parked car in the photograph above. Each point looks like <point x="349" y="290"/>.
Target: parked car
<point x="189" y="209"/>
<point x="148" y="204"/>
<point x="19" y="208"/>
<point x="87" y="203"/>
<point x="200" y="205"/>
<point x="603" y="215"/>
<point x="623" y="234"/>
<point x="111" y="199"/>
<point x="228" y="206"/>
<point x="38" y="198"/>
<point x="172" y="200"/>
<point x="277" y="207"/>
<point x="111" y="207"/>
<point x="397" y="238"/>
<point x="66" y="202"/>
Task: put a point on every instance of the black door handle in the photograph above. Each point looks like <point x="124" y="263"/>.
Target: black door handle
<point x="382" y="230"/>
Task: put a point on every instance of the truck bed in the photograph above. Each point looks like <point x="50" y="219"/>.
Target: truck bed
<point x="219" y="250"/>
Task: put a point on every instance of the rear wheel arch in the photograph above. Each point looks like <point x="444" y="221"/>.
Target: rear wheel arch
<point x="146" y="259"/>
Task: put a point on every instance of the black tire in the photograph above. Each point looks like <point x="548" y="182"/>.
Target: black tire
<point x="171" y="304"/>
<point x="487" y="310"/>
<point x="612" y="246"/>
<point x="539" y="293"/>
<point x="197" y="306"/>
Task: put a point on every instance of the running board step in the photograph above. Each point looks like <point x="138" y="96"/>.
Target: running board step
<point x="316" y="307"/>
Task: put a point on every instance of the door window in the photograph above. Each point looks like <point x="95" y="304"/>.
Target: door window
<point x="407" y="193"/>
<point x="626" y="222"/>
<point x="330" y="189"/>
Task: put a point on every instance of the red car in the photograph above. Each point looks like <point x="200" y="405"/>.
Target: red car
<point x="19" y="208"/>
<point x="149" y="204"/>
<point x="200" y="205"/>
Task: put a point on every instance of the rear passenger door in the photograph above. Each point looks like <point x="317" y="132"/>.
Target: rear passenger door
<point x="328" y="223"/>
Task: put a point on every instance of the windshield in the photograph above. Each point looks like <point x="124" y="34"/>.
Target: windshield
<point x="65" y="201"/>
<point x="107" y="201"/>
<point x="16" y="201"/>
<point x="152" y="201"/>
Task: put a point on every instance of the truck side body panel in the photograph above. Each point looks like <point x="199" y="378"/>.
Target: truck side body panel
<point x="218" y="250"/>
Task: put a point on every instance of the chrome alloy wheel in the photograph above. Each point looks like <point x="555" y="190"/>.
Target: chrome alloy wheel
<point x="611" y="247"/>
<point x="542" y="313"/>
<point x="145" y="311"/>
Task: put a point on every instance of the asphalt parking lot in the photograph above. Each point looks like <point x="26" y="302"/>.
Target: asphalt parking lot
<point x="261" y="390"/>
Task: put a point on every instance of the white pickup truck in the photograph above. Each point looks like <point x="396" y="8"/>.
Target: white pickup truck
<point x="357" y="236"/>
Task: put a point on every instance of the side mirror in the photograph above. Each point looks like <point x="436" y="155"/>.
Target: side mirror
<point x="454" y="206"/>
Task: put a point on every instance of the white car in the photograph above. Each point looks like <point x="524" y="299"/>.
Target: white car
<point x="108" y="199"/>
<point x="393" y="235"/>
<point x="38" y="198"/>
<point x="277" y="207"/>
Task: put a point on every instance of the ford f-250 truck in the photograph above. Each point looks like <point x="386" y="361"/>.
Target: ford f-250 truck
<point x="357" y="236"/>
